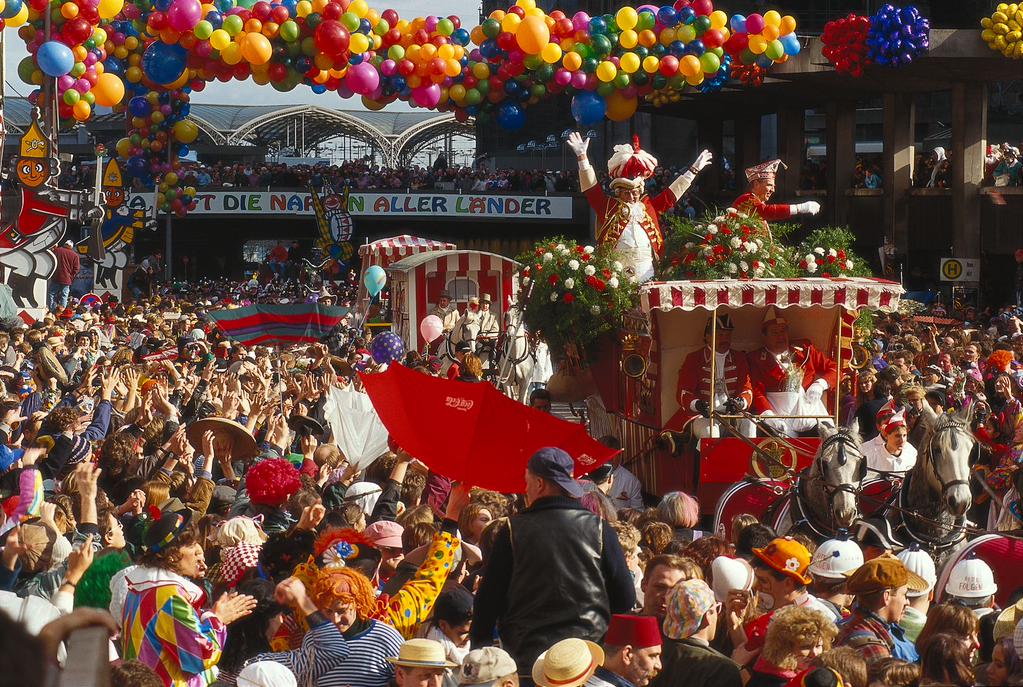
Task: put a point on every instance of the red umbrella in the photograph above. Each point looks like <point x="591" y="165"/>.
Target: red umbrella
<point x="473" y="433"/>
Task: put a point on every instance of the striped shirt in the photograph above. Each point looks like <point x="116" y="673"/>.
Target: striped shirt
<point x="323" y="648"/>
<point x="367" y="664"/>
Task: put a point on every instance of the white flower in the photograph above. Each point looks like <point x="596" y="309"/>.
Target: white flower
<point x="792" y="564"/>
<point x="750" y="247"/>
<point x="595" y="309"/>
<point x="832" y="252"/>
<point x="573" y="264"/>
<point x="560" y="246"/>
<point x="848" y="264"/>
<point x="744" y="266"/>
<point x="712" y="229"/>
<point x="707" y="250"/>
<point x="732" y="268"/>
<point x="570" y="283"/>
<point x="818" y="250"/>
<point x="589" y="270"/>
<point x="760" y="244"/>
<point x="588" y="250"/>
<point x="730" y="211"/>
<point x="554" y="297"/>
<point x="811" y="267"/>
<point x="809" y="258"/>
<point x="525" y="281"/>
<point x="758" y="271"/>
<point x="719" y="218"/>
<point x="617" y="266"/>
<point x="613" y="282"/>
<point x="547" y="257"/>
<point x="689" y="244"/>
<point x="735" y="242"/>
<point x="565" y="251"/>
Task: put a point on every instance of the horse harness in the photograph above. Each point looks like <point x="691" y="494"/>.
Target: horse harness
<point x="843" y="440"/>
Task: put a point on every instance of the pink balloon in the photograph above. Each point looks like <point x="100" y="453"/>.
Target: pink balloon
<point x="754" y="24"/>
<point x="431" y="23"/>
<point x="581" y="21"/>
<point x="183" y="15"/>
<point x="578" y="79"/>
<point x="431" y="328"/>
<point x="562" y="77"/>
<point x="363" y="78"/>
<point x="426" y="96"/>
<point x="388" y="68"/>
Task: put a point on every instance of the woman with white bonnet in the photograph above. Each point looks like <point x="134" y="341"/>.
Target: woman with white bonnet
<point x="732" y="581"/>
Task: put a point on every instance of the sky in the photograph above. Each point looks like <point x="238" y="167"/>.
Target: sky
<point x="241" y="92"/>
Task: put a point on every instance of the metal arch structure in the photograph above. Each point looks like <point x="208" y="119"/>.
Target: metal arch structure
<point x="218" y="137"/>
<point x="413" y="139"/>
<point x="320" y="124"/>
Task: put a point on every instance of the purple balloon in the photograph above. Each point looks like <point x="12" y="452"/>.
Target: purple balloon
<point x="581" y="21"/>
<point x="578" y="79"/>
<point x="183" y="15"/>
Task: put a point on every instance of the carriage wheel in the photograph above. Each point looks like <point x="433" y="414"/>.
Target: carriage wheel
<point x="782" y="463"/>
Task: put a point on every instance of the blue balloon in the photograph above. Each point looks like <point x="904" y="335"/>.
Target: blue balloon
<point x="11" y="9"/>
<point x="461" y="36"/>
<point x="598" y="25"/>
<point x="737" y="23"/>
<point x="55" y="58"/>
<point x="137" y="166"/>
<point x="667" y="16"/>
<point x="139" y="106"/>
<point x="164" y="63"/>
<point x="387" y="347"/>
<point x="374" y="279"/>
<point x="510" y="116"/>
<point x="791" y="44"/>
<point x="588" y="108"/>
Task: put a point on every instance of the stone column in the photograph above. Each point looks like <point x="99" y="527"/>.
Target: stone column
<point x="841" y="140"/>
<point x="969" y="143"/>
<point x="791" y="149"/>
<point x="897" y="172"/>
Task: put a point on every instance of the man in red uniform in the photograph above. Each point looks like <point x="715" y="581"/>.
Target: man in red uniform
<point x="628" y="220"/>
<point x="732" y="389"/>
<point x="761" y="187"/>
<point x="789" y="378"/>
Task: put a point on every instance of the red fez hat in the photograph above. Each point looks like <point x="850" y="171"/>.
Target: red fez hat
<point x="637" y="631"/>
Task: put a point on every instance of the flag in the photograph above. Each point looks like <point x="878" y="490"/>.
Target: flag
<point x="278" y="324"/>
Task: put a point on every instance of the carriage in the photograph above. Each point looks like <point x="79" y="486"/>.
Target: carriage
<point x="384" y="252"/>
<point x="637" y="378"/>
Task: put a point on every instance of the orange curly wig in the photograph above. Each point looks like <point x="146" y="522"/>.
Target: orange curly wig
<point x="346" y="586"/>
<point x="1000" y="360"/>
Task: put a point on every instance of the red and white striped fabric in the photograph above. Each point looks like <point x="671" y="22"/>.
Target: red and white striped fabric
<point x="851" y="292"/>
<point x="385" y="251"/>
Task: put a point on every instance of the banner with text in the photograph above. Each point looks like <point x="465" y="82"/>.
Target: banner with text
<point x="407" y="205"/>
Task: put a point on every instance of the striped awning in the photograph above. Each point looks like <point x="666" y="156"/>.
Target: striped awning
<point x="385" y="251"/>
<point x="851" y="292"/>
<point x="278" y="324"/>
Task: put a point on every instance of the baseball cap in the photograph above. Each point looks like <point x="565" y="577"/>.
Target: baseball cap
<point x="601" y="474"/>
<point x="555" y="465"/>
<point x="485" y="666"/>
<point x="688" y="602"/>
<point x="883" y="572"/>
<point x="385" y="533"/>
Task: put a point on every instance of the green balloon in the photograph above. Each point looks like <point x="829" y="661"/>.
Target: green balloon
<point x="545" y="72"/>
<point x="590" y="64"/>
<point x="309" y="48"/>
<point x="89" y="98"/>
<point x="701" y="24"/>
<point x="532" y="62"/>
<point x="382" y="27"/>
<point x="538" y="90"/>
<point x="491" y="28"/>
<point x="350" y="21"/>
<point x="775" y="49"/>
<point x="294" y="49"/>
<point x="233" y="24"/>
<point x="659" y="81"/>
<point x="247" y="4"/>
<point x="641" y="52"/>
<point x="473" y="97"/>
<point x="313" y="20"/>
<point x="621" y="81"/>
<point x="288" y="32"/>
<point x="709" y="62"/>
<point x="445" y="27"/>
<point x="483" y="87"/>
<point x="71" y="96"/>
<point x="582" y="50"/>
<point x="601" y="45"/>
<point x="204" y="29"/>
<point x="25" y="69"/>
<point x="78" y="69"/>
<point x="640" y="78"/>
<point x="647" y="20"/>
<point x="396" y="52"/>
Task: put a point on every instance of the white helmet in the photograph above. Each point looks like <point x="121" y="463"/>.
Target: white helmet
<point x="917" y="561"/>
<point x="971" y="579"/>
<point x="728" y="574"/>
<point x="836" y="557"/>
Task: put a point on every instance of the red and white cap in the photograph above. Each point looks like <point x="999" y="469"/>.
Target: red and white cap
<point x="630" y="165"/>
<point x="765" y="170"/>
<point x="894" y="422"/>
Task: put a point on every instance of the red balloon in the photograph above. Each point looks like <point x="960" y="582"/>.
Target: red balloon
<point x="736" y="44"/>
<point x="406" y="67"/>
<point x="280" y="14"/>
<point x="332" y="38"/>
<point x="517" y="10"/>
<point x="453" y="18"/>
<point x="556" y="15"/>
<point x="278" y="72"/>
<point x="669" y="65"/>
<point x="564" y="27"/>
<point x="421" y="36"/>
<point x="261" y="10"/>
<point x="713" y="38"/>
<point x="331" y="11"/>
<point x="390" y="16"/>
<point x="703" y="8"/>
<point x="391" y="37"/>
<point x="77" y="30"/>
<point x="681" y="4"/>
<point x="437" y="66"/>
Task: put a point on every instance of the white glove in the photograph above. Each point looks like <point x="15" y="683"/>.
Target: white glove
<point x="810" y="207"/>
<point x="578" y="144"/>
<point x="702" y="160"/>
<point x="815" y="391"/>
<point x="774" y="423"/>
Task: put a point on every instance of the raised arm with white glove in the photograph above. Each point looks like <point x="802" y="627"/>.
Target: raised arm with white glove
<point x="815" y="391"/>
<point x="810" y="207"/>
<point x="685" y="180"/>
<point x="578" y="145"/>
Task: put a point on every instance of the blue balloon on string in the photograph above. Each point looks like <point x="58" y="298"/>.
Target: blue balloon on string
<point x="374" y="279"/>
<point x="55" y="58"/>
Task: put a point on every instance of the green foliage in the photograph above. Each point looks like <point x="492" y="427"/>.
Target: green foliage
<point x="827" y="252"/>
<point x="574" y="293"/>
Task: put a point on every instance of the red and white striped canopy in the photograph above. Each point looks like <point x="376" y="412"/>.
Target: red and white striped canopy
<point x="847" y="292"/>
<point x="385" y="251"/>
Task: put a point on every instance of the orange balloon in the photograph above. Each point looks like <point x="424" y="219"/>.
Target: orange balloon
<point x="532" y="34"/>
<point x="620" y="108"/>
<point x="109" y="90"/>
<point x="572" y="61"/>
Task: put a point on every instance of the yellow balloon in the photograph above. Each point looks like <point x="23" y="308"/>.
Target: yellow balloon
<point x="109" y="9"/>
<point x="757" y="44"/>
<point x="526" y="4"/>
<point x="666" y="37"/>
<point x="629" y="62"/>
<point x="358" y="44"/>
<point x="772" y="18"/>
<point x="232" y="54"/>
<point x="689" y="66"/>
<point x="770" y="33"/>
<point x="256" y="48"/>
<point x="620" y="108"/>
<point x="551" y="53"/>
<point x="109" y="90"/>
<point x="20" y="18"/>
<point x="510" y="23"/>
<point x="607" y="71"/>
<point x="718" y="19"/>
<point x="304" y="8"/>
<point x="359" y="8"/>
<point x="626" y="18"/>
<point x="628" y="39"/>
<point x="695" y="80"/>
<point x="446" y="51"/>
<point x="220" y="39"/>
<point x="651" y="64"/>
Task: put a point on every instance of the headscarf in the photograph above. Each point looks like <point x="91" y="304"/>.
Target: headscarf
<point x="365" y="494"/>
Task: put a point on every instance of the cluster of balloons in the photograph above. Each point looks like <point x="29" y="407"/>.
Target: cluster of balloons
<point x="892" y="37"/>
<point x="1003" y="30"/>
<point x="374" y="279"/>
<point x="898" y="36"/>
<point x="845" y="44"/>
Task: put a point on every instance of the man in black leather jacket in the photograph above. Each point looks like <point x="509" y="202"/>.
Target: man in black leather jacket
<point x="557" y="571"/>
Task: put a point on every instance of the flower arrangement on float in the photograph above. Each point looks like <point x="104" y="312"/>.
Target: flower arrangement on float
<point x="828" y="252"/>
<point x="572" y="293"/>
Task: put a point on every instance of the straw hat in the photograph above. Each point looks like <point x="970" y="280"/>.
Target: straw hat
<point x="569" y="663"/>
<point x="244" y="445"/>
<point x="1007" y="620"/>
<point x="421" y="653"/>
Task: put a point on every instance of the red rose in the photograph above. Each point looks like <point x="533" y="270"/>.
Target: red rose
<point x="591" y="280"/>
<point x="525" y="271"/>
<point x="771" y="261"/>
<point x="586" y="257"/>
<point x="539" y="252"/>
<point x="606" y="273"/>
<point x="675" y="261"/>
<point x="708" y="238"/>
<point x="825" y="274"/>
<point x="710" y="259"/>
<point x="569" y="297"/>
<point x="553" y="279"/>
<point x="831" y="258"/>
<point x="581" y="250"/>
<point x="689" y="258"/>
<point x="538" y="267"/>
<point x="802" y="264"/>
<point x="718" y="249"/>
<point x="841" y="255"/>
<point x="725" y="231"/>
<point x="600" y="286"/>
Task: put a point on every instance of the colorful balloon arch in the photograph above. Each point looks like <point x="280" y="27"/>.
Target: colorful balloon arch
<point x="144" y="57"/>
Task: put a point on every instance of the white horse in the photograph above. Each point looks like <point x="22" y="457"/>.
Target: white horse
<point x="516" y="362"/>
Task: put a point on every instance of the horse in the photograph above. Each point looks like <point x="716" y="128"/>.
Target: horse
<point x="515" y="360"/>
<point x="820" y="502"/>
<point x="467" y="328"/>
<point x="930" y="505"/>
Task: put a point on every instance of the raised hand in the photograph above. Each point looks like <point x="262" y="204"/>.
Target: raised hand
<point x="232" y="606"/>
<point x="703" y="159"/>
<point x="577" y="144"/>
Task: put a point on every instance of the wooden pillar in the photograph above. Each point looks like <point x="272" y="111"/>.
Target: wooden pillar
<point x="969" y="142"/>
<point x="841" y="139"/>
<point x="710" y="136"/>
<point x="791" y="149"/>
<point x="747" y="144"/>
<point x="897" y="172"/>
